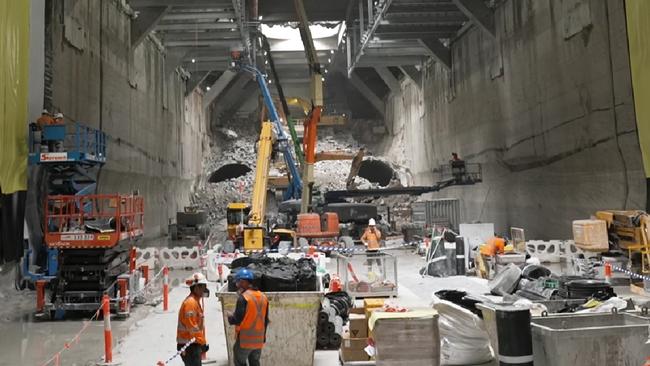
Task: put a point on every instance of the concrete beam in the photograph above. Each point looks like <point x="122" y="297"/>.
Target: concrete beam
<point x="479" y="13"/>
<point x="207" y="66"/>
<point x="388" y="78"/>
<point x="195" y="79"/>
<point x="209" y="43"/>
<point x="214" y="15"/>
<point x="203" y="36"/>
<point x="219" y="86"/>
<point x="192" y="27"/>
<point x="184" y="3"/>
<point x="412" y="74"/>
<point x="438" y="51"/>
<point x="146" y="21"/>
<point x="390" y="61"/>
<point x="173" y="58"/>
<point x="367" y="93"/>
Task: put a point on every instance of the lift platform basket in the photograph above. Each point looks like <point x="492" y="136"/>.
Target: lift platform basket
<point x="368" y="274"/>
<point x="291" y="336"/>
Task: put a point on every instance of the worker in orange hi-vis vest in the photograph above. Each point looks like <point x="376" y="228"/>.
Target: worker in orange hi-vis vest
<point x="191" y="323"/>
<point x="45" y="119"/>
<point x="370" y="239"/>
<point x="251" y="318"/>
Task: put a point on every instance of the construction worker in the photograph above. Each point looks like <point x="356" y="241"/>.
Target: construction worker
<point x="190" y="322"/>
<point x="251" y="318"/>
<point x="45" y="119"/>
<point x="370" y="239"/>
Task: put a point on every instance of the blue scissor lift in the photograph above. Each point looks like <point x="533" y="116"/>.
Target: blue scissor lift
<point x="71" y="169"/>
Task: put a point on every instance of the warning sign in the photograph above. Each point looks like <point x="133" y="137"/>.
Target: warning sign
<point x="104" y="237"/>
<point x="77" y="237"/>
<point x="56" y="156"/>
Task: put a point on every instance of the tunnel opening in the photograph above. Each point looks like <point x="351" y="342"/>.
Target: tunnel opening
<point x="376" y="171"/>
<point x="229" y="171"/>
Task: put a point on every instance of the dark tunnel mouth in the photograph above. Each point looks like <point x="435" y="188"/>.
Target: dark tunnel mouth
<point x="229" y="171"/>
<point x="376" y="171"/>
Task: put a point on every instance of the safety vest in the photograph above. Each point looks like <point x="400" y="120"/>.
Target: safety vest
<point x="252" y="330"/>
<point x="190" y="322"/>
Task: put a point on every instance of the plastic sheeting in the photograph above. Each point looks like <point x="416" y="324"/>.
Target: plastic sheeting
<point x="638" y="32"/>
<point x="14" y="64"/>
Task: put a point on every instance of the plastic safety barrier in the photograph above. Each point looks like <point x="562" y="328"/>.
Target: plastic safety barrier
<point x="148" y="257"/>
<point x="180" y="257"/>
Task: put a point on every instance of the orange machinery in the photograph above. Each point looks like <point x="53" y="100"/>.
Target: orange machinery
<point x="95" y="236"/>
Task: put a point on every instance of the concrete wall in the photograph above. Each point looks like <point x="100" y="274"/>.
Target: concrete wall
<point x="546" y="107"/>
<point x="156" y="135"/>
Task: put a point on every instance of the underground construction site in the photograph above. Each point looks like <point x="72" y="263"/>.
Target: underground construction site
<point x="240" y="182"/>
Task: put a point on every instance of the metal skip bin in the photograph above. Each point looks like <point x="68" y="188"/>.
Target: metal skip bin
<point x="291" y="336"/>
<point x="590" y="339"/>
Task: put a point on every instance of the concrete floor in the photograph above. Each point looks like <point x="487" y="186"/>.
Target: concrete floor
<point x="148" y="336"/>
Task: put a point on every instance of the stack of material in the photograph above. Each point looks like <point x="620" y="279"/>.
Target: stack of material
<point x="591" y="235"/>
<point x="406" y="339"/>
<point x="277" y="274"/>
<point x="355" y="339"/>
<point x="335" y="310"/>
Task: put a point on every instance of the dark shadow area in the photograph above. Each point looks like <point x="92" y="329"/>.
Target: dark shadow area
<point x="376" y="171"/>
<point x="229" y="171"/>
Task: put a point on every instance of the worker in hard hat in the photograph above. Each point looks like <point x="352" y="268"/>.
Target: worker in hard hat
<point x="191" y="322"/>
<point x="370" y="239"/>
<point x="45" y="119"/>
<point x="56" y="145"/>
<point x="251" y="318"/>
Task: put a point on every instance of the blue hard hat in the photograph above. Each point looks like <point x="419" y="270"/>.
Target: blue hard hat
<point x="244" y="274"/>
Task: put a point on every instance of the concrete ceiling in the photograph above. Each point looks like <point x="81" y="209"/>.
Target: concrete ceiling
<point x="401" y="34"/>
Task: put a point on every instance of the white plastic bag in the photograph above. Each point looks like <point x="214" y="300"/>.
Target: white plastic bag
<point x="463" y="338"/>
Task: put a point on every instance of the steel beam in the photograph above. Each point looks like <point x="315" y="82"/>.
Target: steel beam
<point x="245" y="40"/>
<point x="413" y="74"/>
<point x="179" y="3"/>
<point x="202" y="36"/>
<point x="195" y="26"/>
<point x="210" y="15"/>
<point x="479" y="13"/>
<point x="368" y="34"/>
<point x="218" y="87"/>
<point x="367" y="93"/>
<point x="388" y="78"/>
<point x="438" y="51"/>
<point x="397" y="51"/>
<point x="189" y="44"/>
<point x="146" y="21"/>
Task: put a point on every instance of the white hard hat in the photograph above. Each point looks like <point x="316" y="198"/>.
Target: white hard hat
<point x="371" y="222"/>
<point x="58" y="115"/>
<point x="196" y="279"/>
<point x="45" y="111"/>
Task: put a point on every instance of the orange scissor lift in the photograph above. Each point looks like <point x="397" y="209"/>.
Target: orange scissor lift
<point x="95" y="236"/>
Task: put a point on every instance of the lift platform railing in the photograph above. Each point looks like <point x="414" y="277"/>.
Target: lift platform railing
<point x="110" y="219"/>
<point x="77" y="143"/>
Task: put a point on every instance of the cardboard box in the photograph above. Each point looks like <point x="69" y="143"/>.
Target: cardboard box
<point x="373" y="303"/>
<point x="358" y="326"/>
<point x="591" y="235"/>
<point x="358" y="311"/>
<point x="352" y="348"/>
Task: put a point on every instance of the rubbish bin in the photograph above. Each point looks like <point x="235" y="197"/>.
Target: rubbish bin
<point x="590" y="339"/>
<point x="291" y="336"/>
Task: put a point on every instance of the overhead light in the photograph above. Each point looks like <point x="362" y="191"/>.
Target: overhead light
<point x="233" y="29"/>
<point x="207" y="88"/>
<point x="329" y="60"/>
<point x="322" y="79"/>
<point x="264" y="53"/>
<point x="332" y="51"/>
<point x="266" y="62"/>
<point x="232" y="20"/>
<point x="193" y="60"/>
<point x="259" y="17"/>
<point x="270" y="81"/>
<point x="326" y="71"/>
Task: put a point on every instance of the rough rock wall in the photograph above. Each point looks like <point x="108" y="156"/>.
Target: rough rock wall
<point x="546" y="108"/>
<point x="156" y="135"/>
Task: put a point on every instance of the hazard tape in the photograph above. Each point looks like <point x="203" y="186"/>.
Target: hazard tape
<point x="56" y="358"/>
<point x="326" y="248"/>
<point x="178" y="353"/>
<point x="616" y="268"/>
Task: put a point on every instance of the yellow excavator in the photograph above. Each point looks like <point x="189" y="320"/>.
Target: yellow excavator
<point x="246" y="223"/>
